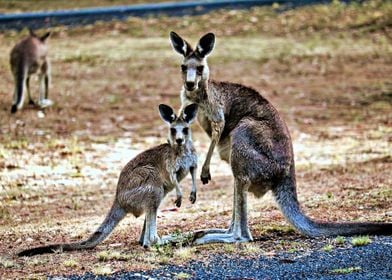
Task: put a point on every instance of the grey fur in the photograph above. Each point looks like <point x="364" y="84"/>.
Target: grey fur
<point x="28" y="57"/>
<point x="252" y="137"/>
<point x="143" y="184"/>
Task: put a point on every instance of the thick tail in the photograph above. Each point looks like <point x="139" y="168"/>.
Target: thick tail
<point x="116" y="214"/>
<point x="20" y="81"/>
<point x="286" y="196"/>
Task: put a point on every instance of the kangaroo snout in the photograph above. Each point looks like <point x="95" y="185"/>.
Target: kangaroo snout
<point x="190" y="85"/>
<point x="179" y="141"/>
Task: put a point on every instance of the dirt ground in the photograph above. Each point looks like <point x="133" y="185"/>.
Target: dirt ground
<point x="331" y="82"/>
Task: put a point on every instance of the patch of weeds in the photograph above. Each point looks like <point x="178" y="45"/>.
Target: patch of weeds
<point x="339" y="240"/>
<point x="361" y="240"/>
<point x="184" y="253"/>
<point x="164" y="250"/>
<point x="36" y="262"/>
<point x="102" y="270"/>
<point x="346" y="270"/>
<point x="182" y="275"/>
<point x="70" y="263"/>
<point x="327" y="248"/>
<point x="82" y="58"/>
<point x="105" y="256"/>
<point x="229" y="248"/>
<point x="17" y="144"/>
<point x="250" y="249"/>
<point x="6" y="263"/>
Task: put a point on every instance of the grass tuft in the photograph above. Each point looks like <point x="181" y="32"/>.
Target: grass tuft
<point x="346" y="270"/>
<point x="361" y="240"/>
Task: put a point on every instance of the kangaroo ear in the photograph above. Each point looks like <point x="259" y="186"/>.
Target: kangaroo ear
<point x="189" y="113"/>
<point x="45" y="37"/>
<point x="167" y="113"/>
<point x="32" y="33"/>
<point x="206" y="45"/>
<point x="180" y="45"/>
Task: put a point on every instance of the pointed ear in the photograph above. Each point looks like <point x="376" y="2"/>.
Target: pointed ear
<point x="206" y="45"/>
<point x="180" y="45"/>
<point x="167" y="113"/>
<point x="189" y="113"/>
<point x="32" y="33"/>
<point x="45" y="37"/>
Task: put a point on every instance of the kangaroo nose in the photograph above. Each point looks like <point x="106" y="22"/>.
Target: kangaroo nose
<point x="179" y="141"/>
<point x="190" y="85"/>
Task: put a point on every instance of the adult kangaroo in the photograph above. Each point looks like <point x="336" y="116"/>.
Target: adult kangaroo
<point x="252" y="137"/>
<point x="28" y="57"/>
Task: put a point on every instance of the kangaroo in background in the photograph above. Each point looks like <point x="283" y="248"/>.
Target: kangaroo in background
<point x="252" y="137"/>
<point x="144" y="182"/>
<point x="29" y="56"/>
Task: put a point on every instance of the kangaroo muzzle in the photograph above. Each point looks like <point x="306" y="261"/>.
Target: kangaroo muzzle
<point x="190" y="82"/>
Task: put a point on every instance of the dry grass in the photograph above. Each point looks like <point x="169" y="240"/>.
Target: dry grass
<point x="59" y="173"/>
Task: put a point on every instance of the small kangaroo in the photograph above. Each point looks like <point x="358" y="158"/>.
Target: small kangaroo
<point x="144" y="182"/>
<point x="28" y="57"/>
<point x="252" y="137"/>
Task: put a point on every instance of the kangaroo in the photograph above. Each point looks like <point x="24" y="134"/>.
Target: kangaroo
<point x="144" y="182"/>
<point x="252" y="137"/>
<point x="28" y="57"/>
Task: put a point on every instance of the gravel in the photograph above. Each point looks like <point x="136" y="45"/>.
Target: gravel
<point x="373" y="261"/>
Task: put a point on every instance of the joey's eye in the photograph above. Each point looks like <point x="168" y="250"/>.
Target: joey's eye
<point x="183" y="68"/>
<point x="173" y="131"/>
<point x="200" y="69"/>
<point x="185" y="130"/>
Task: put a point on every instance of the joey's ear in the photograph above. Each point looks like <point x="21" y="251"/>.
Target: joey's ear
<point x="167" y="113"/>
<point x="32" y="33"/>
<point x="45" y="37"/>
<point x="189" y="113"/>
<point x="206" y="45"/>
<point x="180" y="45"/>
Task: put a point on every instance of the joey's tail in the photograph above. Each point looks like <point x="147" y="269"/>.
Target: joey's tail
<point x="286" y="196"/>
<point x="116" y="214"/>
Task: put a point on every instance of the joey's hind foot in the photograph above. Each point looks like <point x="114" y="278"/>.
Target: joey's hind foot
<point x="192" y="197"/>
<point x="178" y="201"/>
<point x="14" y="109"/>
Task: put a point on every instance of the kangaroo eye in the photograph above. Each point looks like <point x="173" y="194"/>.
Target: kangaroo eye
<point x="173" y="131"/>
<point x="200" y="69"/>
<point x="185" y="130"/>
<point x="184" y="68"/>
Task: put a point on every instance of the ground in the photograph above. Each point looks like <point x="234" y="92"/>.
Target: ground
<point x="326" y="69"/>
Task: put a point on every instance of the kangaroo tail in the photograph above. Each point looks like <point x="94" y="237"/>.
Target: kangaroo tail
<point x="20" y="79"/>
<point x="286" y="197"/>
<point x="116" y="214"/>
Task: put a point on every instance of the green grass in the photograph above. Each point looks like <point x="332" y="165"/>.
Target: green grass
<point x="340" y="240"/>
<point x="346" y="270"/>
<point x="327" y="248"/>
<point x="360" y="241"/>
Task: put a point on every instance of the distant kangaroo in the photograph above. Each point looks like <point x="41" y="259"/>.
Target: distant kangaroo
<point x="252" y="137"/>
<point x="28" y="57"/>
<point x="144" y="182"/>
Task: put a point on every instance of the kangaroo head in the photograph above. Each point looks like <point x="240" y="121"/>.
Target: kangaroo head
<point x="179" y="127"/>
<point x="194" y="67"/>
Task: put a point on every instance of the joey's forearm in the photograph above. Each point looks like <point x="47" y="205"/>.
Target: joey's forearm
<point x="193" y="194"/>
